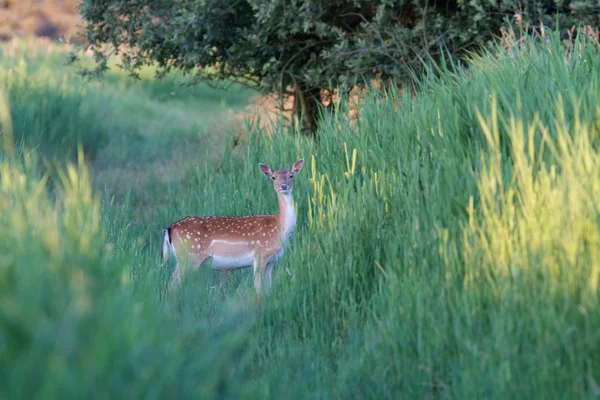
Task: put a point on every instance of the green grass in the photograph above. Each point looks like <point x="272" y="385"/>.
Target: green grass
<point x="448" y="246"/>
<point x="136" y="134"/>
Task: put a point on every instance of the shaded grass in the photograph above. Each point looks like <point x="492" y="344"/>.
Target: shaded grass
<point x="447" y="247"/>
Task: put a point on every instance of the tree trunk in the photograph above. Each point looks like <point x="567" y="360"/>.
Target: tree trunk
<point x="306" y="108"/>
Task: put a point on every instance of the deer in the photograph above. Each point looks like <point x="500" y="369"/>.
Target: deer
<point x="229" y="243"/>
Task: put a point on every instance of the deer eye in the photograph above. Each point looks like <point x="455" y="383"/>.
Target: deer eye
<point x="273" y="177"/>
<point x="291" y="176"/>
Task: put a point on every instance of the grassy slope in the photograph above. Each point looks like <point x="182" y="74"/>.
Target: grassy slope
<point x="457" y="255"/>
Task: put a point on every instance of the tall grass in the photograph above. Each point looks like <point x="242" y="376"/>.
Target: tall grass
<point x="447" y="246"/>
<point x="56" y="110"/>
<point x="73" y="324"/>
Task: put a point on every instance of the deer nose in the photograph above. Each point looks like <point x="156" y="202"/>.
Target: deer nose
<point x="284" y="186"/>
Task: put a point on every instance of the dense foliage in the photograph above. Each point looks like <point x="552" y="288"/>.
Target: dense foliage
<point x="305" y="47"/>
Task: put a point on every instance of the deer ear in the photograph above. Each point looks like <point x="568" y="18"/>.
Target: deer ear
<point x="265" y="170"/>
<point x="297" y="166"/>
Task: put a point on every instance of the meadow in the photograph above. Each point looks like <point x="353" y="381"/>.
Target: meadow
<point x="448" y="243"/>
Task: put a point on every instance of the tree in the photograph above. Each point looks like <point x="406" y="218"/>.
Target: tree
<point x="293" y="47"/>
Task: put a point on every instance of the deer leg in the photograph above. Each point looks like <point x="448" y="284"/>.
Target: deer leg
<point x="259" y="271"/>
<point x="257" y="275"/>
<point x="224" y="275"/>
<point x="268" y="275"/>
<point x="185" y="263"/>
<point x="175" y="278"/>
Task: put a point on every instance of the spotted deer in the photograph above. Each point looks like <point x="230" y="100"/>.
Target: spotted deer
<point x="230" y="243"/>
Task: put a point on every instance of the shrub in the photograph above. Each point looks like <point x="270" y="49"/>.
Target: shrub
<point x="305" y="47"/>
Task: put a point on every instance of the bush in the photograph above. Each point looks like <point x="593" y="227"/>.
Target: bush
<point x="303" y="48"/>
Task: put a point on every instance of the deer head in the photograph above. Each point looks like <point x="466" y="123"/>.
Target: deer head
<point x="282" y="178"/>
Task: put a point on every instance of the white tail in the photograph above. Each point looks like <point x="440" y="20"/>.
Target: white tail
<point x="166" y="245"/>
<point x="237" y="242"/>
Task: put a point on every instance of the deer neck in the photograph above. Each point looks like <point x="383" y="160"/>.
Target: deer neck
<point x="286" y="217"/>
